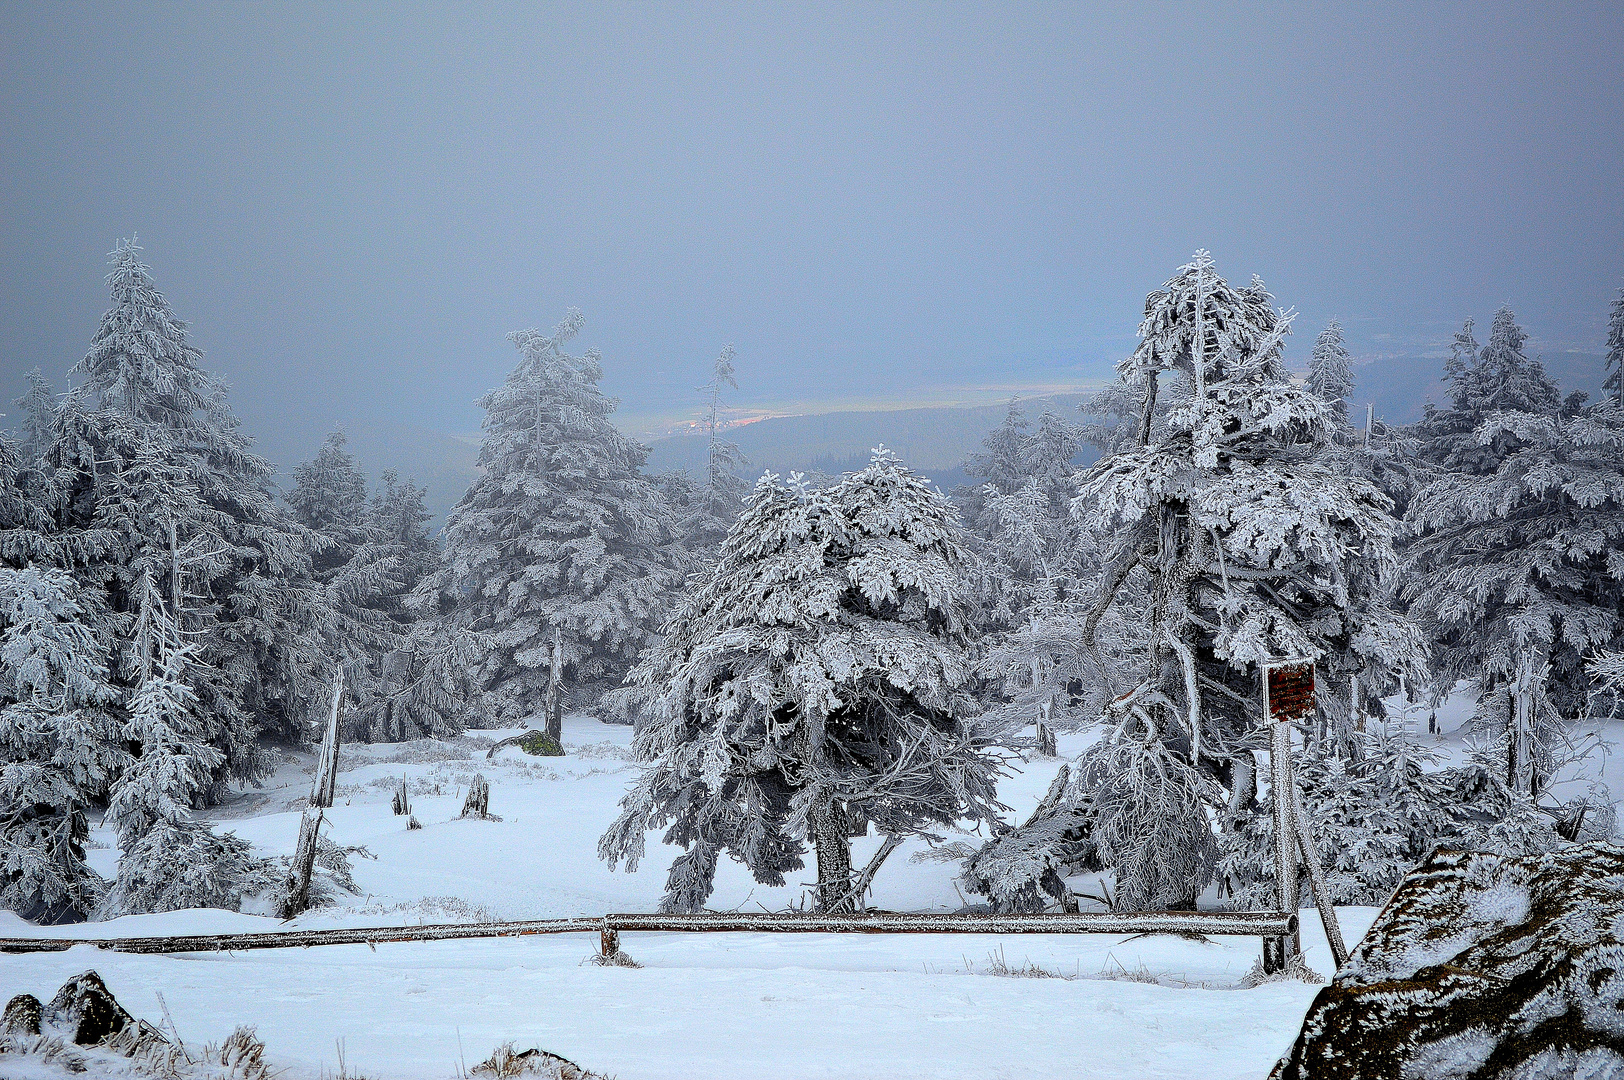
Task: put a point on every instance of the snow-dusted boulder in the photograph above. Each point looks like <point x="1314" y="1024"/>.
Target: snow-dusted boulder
<point x="1485" y="967"/>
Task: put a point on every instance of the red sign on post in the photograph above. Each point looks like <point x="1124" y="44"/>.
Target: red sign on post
<point x="1288" y="691"/>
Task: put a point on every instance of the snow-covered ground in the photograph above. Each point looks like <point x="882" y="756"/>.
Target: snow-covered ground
<point x="714" y="1005"/>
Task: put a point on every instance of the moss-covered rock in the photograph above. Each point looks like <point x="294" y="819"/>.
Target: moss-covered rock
<point x="541" y="744"/>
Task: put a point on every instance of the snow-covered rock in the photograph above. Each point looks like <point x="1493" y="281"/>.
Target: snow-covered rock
<point x="1481" y="966"/>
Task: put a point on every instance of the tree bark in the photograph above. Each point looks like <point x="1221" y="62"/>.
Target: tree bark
<point x="555" y="706"/>
<point x="833" y="846"/>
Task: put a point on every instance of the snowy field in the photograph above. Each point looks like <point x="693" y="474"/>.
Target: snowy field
<point x="716" y="1005"/>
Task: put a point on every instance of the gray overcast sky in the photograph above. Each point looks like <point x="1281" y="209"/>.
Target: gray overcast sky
<point x="353" y="205"/>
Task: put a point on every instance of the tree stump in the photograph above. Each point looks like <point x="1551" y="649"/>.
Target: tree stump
<point x="478" y="802"/>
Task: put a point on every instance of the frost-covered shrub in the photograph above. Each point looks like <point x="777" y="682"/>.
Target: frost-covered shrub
<point x="184" y="864"/>
<point x="1374" y="819"/>
<point x="1020" y="869"/>
<point x="1150" y="819"/>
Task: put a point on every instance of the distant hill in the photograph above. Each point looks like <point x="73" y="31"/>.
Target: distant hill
<point x="931" y="441"/>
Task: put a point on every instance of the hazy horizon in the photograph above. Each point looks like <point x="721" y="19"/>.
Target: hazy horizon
<point x="895" y="205"/>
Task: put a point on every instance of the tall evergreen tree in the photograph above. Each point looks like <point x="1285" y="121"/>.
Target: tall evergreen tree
<point x="1516" y="571"/>
<point x="1246" y="548"/>
<point x="1614" y="383"/>
<point x="814" y="685"/>
<point x="1330" y="376"/>
<point x="39" y="415"/>
<point x="163" y="487"/>
<point x="561" y="550"/>
<point x="401" y="515"/>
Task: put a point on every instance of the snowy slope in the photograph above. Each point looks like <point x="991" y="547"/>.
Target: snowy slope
<point x="794" y="1006"/>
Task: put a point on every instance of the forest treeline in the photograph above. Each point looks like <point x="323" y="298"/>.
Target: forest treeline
<point x="811" y="659"/>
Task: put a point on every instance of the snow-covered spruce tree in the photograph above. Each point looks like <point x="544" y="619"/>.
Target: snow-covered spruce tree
<point x="357" y="570"/>
<point x="1250" y="549"/>
<point x="1034" y="568"/>
<point x="814" y="684"/>
<point x="1614" y="383"/>
<point x="60" y="743"/>
<point x="161" y="483"/>
<point x="1026" y="545"/>
<point x="714" y="504"/>
<point x="561" y="551"/>
<point x="423" y="675"/>
<point x="38" y="407"/>
<point x="400" y="514"/>
<point x="1330" y="375"/>
<point x="167" y="860"/>
<point x="1516" y="570"/>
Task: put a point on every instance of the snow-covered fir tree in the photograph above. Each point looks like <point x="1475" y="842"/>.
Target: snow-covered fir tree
<point x="38" y="408"/>
<point x="1516" y="570"/>
<point x="813" y="686"/>
<point x="710" y="508"/>
<point x="401" y="517"/>
<point x="167" y="859"/>
<point x="561" y="551"/>
<point x="360" y="574"/>
<point x="1330" y="375"/>
<point x="60" y="742"/>
<point x="1243" y="546"/>
<point x="162" y="486"/>
<point x="1614" y="383"/>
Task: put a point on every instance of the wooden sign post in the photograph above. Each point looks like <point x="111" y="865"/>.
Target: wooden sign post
<point x="1288" y="696"/>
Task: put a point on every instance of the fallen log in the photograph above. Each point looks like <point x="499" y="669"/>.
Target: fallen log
<point x="1230" y="923"/>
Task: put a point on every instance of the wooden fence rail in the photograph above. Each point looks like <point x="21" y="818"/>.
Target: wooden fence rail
<point x="1233" y="923"/>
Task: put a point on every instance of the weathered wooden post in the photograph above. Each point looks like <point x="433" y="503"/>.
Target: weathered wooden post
<point x="1288" y="696"/>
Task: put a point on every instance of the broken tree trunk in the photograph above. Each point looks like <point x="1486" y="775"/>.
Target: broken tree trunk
<point x="327" y="761"/>
<point x="401" y="804"/>
<point x="1046" y="740"/>
<point x="296" y="894"/>
<point x="555" y="704"/>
